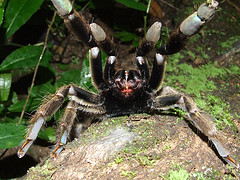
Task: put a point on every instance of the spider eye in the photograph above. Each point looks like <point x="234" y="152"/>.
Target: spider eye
<point x="127" y="82"/>
<point x="133" y="74"/>
<point x="119" y="74"/>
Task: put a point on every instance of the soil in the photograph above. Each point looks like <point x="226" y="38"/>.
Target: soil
<point x="152" y="145"/>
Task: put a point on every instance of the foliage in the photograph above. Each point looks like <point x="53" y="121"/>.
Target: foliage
<point x="17" y="13"/>
<point x="180" y="174"/>
<point x="126" y="36"/>
<point x="11" y="134"/>
<point x="18" y="60"/>
<point x="200" y="84"/>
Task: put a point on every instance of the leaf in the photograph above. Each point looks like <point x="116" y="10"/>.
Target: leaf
<point x="11" y="135"/>
<point x="40" y="91"/>
<point x="5" y="85"/>
<point x="125" y="36"/>
<point x="133" y="4"/>
<point x="2" y="7"/>
<point x="69" y="77"/>
<point x="1" y="16"/>
<point x="18" y="12"/>
<point x="25" y="57"/>
<point x="49" y="134"/>
<point x="33" y="104"/>
<point x="37" y="95"/>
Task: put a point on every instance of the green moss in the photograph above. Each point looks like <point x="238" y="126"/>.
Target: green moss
<point x="128" y="174"/>
<point x="101" y="129"/>
<point x="44" y="171"/>
<point x="178" y="172"/>
<point x="199" y="82"/>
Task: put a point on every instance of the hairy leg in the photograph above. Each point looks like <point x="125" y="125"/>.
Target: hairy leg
<point x="168" y="97"/>
<point x="80" y="99"/>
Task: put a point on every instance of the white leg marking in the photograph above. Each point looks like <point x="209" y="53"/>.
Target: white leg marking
<point x="97" y="32"/>
<point x="71" y="90"/>
<point x="36" y="127"/>
<point x="25" y="149"/>
<point x="71" y="17"/>
<point x="64" y="138"/>
<point x="191" y="24"/>
<point x="159" y="59"/>
<point x="153" y="33"/>
<point x="94" y="52"/>
<point x="221" y="150"/>
<point x="140" y="59"/>
<point x="111" y="59"/>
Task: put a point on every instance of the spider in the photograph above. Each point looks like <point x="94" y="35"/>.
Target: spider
<point x="124" y="89"/>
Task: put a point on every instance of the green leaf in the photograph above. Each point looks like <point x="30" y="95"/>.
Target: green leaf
<point x="133" y="4"/>
<point x="1" y="16"/>
<point x="33" y="104"/>
<point x="49" y="134"/>
<point x="5" y="85"/>
<point x="17" y="14"/>
<point x="63" y="67"/>
<point x="37" y="95"/>
<point x="11" y="135"/>
<point x="69" y="77"/>
<point x="25" y="57"/>
<point x="2" y="7"/>
<point x="125" y="36"/>
<point x="42" y="89"/>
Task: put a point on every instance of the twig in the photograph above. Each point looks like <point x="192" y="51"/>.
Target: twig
<point x="3" y="153"/>
<point x="170" y="5"/>
<point x="36" y="68"/>
<point x="233" y="5"/>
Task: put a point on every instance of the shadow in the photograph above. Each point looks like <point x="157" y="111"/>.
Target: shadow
<point x="13" y="167"/>
<point x="204" y="138"/>
<point x="21" y="85"/>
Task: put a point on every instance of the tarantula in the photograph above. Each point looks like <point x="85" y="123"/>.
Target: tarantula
<point x="124" y="90"/>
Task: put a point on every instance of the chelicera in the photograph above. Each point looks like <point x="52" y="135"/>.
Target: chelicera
<point x="124" y="89"/>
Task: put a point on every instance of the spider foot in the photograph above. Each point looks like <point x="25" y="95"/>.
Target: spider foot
<point x="26" y="145"/>
<point x="224" y="153"/>
<point x="169" y="97"/>
<point x="44" y="111"/>
<point x="32" y="135"/>
<point x="231" y="161"/>
<point x="193" y="23"/>
<point x="57" y="151"/>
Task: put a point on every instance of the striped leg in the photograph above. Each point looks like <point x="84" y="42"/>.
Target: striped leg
<point x="44" y="111"/>
<point x="189" y="27"/>
<point x="171" y="98"/>
<point x="158" y="70"/>
<point x="151" y="39"/>
<point x="79" y="99"/>
<point x="65" y="127"/>
<point x="92" y="35"/>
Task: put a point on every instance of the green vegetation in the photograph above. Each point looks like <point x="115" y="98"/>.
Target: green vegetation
<point x="199" y="82"/>
<point x="18" y="61"/>
<point x="128" y="174"/>
<point x="178" y="172"/>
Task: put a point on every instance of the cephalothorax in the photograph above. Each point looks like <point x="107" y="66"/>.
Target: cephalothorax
<point x="127" y="89"/>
